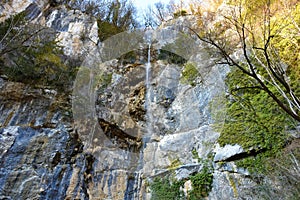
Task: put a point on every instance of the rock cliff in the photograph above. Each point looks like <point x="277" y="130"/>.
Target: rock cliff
<point x="160" y="130"/>
<point x="76" y="31"/>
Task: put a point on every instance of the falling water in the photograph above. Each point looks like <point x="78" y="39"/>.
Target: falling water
<point x="134" y="185"/>
<point x="149" y="116"/>
<point x="148" y="128"/>
<point x="148" y="67"/>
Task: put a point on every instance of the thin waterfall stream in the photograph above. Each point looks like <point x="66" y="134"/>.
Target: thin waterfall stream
<point x="135" y="184"/>
<point x="149" y="116"/>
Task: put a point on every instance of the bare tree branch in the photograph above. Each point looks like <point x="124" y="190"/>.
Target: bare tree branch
<point x="286" y="97"/>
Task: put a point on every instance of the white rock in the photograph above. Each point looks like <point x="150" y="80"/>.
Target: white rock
<point x="187" y="187"/>
<point x="223" y="153"/>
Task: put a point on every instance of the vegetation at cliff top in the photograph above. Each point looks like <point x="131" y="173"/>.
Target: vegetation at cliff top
<point x="113" y="16"/>
<point x="246" y="36"/>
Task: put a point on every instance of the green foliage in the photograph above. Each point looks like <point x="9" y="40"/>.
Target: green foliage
<point x="164" y="189"/>
<point x="189" y="74"/>
<point x="107" y="29"/>
<point x="115" y="17"/>
<point x="195" y="155"/>
<point x="12" y="32"/>
<point x="201" y="183"/>
<point x="180" y="13"/>
<point x="271" y="48"/>
<point x="30" y="54"/>
<point x="287" y="43"/>
<point x="168" y="188"/>
<point x="254" y="121"/>
<point x="267" y="31"/>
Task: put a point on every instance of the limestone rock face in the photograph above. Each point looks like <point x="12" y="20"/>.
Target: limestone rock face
<point x="162" y="128"/>
<point x="12" y="7"/>
<point x="77" y="32"/>
<point x="43" y="156"/>
<point x="39" y="148"/>
<point x="227" y="151"/>
<point x="172" y="123"/>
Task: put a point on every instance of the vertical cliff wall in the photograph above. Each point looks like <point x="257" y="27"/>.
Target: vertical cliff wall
<point x="43" y="155"/>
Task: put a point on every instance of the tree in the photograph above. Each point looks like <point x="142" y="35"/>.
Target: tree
<point x="29" y="53"/>
<point x="161" y="12"/>
<point x="116" y="17"/>
<point x="156" y="15"/>
<point x="119" y="13"/>
<point x="244" y="39"/>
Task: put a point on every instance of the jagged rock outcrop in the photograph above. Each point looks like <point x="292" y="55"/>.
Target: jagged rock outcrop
<point x="43" y="155"/>
<point x="39" y="148"/>
<point x="175" y="123"/>
<point x="12" y="7"/>
<point x="77" y="32"/>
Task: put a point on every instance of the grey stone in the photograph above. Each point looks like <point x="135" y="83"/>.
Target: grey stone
<point x="44" y="155"/>
<point x="223" y="153"/>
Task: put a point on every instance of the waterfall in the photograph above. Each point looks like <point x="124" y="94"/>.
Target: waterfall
<point x="134" y="184"/>
<point x="149" y="117"/>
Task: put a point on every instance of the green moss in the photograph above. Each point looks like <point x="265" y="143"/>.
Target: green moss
<point x="201" y="182"/>
<point x="175" y="164"/>
<point x="164" y="189"/>
<point x="195" y="154"/>
<point x="169" y="188"/>
<point x="253" y="121"/>
<point x="189" y="74"/>
<point x="107" y="29"/>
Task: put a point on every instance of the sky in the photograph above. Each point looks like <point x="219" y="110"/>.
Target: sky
<point x="142" y="4"/>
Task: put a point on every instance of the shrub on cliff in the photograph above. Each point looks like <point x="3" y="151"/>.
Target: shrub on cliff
<point x="30" y="54"/>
